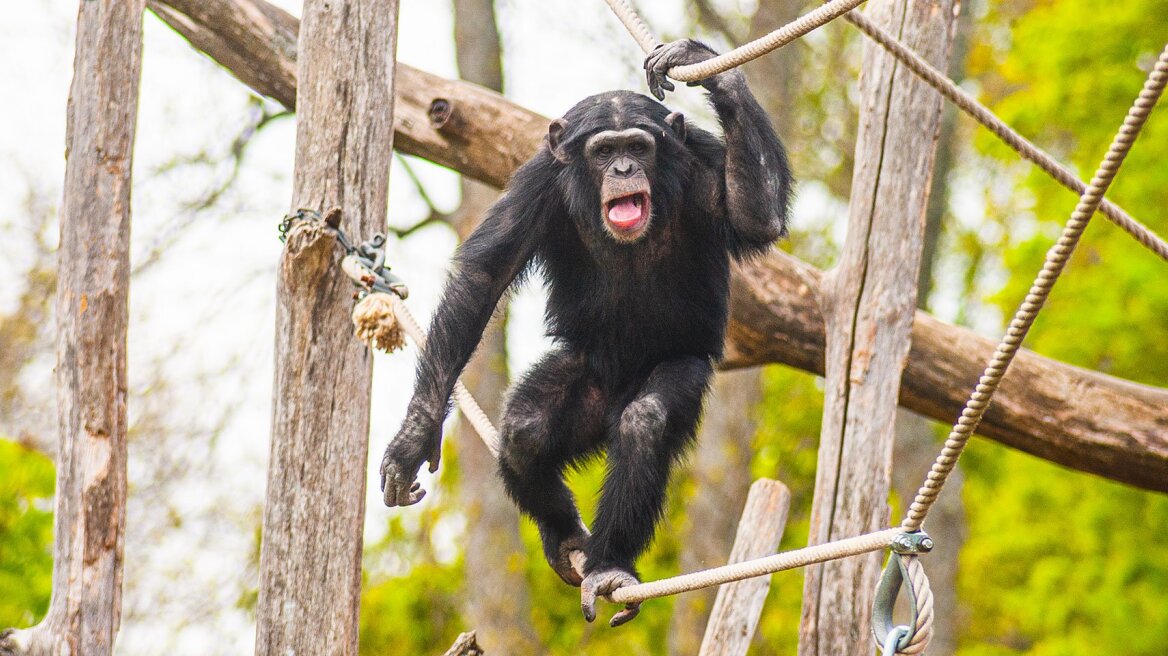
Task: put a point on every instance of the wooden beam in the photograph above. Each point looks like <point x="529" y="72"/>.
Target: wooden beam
<point x="310" y="558"/>
<point x="1078" y="418"/>
<point x="738" y="605"/>
<point x="868" y="302"/>
<point x="92" y="314"/>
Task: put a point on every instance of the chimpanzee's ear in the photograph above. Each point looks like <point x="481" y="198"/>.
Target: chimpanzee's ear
<point x="555" y="131"/>
<point x="676" y="122"/>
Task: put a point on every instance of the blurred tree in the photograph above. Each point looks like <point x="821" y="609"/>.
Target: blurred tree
<point x="917" y="439"/>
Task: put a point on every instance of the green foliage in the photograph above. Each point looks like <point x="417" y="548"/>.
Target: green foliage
<point x="413" y="614"/>
<point x="26" y="534"/>
<point x="1058" y="562"/>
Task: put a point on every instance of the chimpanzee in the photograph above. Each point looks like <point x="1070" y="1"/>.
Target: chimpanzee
<point x="632" y="216"/>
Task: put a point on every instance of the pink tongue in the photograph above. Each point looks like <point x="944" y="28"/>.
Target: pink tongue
<point x="624" y="211"/>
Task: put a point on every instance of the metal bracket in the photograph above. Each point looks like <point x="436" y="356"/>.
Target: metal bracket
<point x="915" y="543"/>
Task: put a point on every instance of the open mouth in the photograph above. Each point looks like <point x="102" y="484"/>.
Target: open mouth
<point x="628" y="214"/>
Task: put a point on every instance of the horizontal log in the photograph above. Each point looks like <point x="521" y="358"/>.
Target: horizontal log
<point x="1072" y="416"/>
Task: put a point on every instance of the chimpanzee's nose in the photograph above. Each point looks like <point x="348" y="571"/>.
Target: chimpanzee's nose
<point x="623" y="167"/>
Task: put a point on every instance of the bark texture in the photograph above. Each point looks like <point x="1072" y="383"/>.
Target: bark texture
<point x="868" y="303"/>
<point x="738" y="606"/>
<point x="501" y="621"/>
<point x="1075" y="417"/>
<point x="310" y="559"/>
<point x="916" y="440"/>
<point x="92" y="316"/>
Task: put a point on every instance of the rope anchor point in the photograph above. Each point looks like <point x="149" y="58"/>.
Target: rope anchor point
<point x="903" y="566"/>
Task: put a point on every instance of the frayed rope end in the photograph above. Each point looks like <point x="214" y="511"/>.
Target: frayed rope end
<point x="375" y="324"/>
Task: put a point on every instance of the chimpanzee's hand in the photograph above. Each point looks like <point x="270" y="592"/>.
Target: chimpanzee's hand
<point x="418" y="441"/>
<point x="668" y="55"/>
<point x="602" y="582"/>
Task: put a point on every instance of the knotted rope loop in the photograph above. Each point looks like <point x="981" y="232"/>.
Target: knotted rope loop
<point x="904" y="639"/>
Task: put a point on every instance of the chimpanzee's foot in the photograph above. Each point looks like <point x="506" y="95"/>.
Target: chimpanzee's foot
<point x="560" y="558"/>
<point x="602" y="582"/>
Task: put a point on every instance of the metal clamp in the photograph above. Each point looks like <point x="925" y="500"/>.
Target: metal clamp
<point x="914" y="544"/>
<point x="364" y="263"/>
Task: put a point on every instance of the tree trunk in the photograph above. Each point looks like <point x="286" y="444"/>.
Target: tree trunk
<point x="92" y="315"/>
<point x="916" y="441"/>
<point x="738" y="605"/>
<point x="310" y="559"/>
<point x="1077" y="418"/>
<point x="721" y="474"/>
<point x="501" y="621"/>
<point x="868" y="308"/>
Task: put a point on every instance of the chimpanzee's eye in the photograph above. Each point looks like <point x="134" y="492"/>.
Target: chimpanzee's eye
<point x="604" y="151"/>
<point x="637" y="148"/>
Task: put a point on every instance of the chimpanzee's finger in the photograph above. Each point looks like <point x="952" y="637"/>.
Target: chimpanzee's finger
<point x="414" y="496"/>
<point x="629" y="612"/>
<point x="588" y="600"/>
<point x="652" y="80"/>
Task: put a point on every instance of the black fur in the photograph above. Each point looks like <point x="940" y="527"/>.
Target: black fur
<point x="638" y="326"/>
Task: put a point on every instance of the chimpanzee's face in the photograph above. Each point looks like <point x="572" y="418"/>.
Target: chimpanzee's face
<point x="612" y="141"/>
<point x="621" y="162"/>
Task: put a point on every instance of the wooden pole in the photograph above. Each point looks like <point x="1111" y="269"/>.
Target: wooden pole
<point x="738" y="606"/>
<point x="92" y="315"/>
<point x="869" y="302"/>
<point x="1078" y="418"/>
<point x="310" y="562"/>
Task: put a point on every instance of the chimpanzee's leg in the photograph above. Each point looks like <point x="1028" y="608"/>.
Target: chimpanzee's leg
<point x="554" y="416"/>
<point x="653" y="429"/>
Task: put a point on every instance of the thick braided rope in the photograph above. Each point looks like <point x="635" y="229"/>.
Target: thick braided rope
<point x="966" y="103"/>
<point x="636" y="27"/>
<point x="1056" y="260"/>
<point x="470" y="408"/>
<point x="819" y="553"/>
<point x="923" y="594"/>
<point x="812" y="20"/>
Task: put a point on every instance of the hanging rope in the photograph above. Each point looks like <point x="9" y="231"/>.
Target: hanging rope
<point x="381" y="315"/>
<point x="1056" y="261"/>
<point x="470" y="408"/>
<point x="816" y="18"/>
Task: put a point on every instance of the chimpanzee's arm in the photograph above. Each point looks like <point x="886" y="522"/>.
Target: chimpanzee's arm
<point x="757" y="176"/>
<point x="485" y="266"/>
